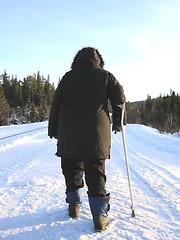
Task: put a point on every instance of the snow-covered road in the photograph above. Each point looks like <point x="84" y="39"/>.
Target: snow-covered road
<point x="32" y="198"/>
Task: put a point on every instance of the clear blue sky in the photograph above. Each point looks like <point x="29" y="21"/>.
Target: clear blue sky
<point x="138" y="39"/>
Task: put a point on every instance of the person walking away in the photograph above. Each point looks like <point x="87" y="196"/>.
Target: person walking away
<point x="79" y="120"/>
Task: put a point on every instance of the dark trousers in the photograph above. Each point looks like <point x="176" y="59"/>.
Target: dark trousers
<point x="94" y="170"/>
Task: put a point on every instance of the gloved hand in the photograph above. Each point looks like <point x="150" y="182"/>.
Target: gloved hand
<point x="116" y="128"/>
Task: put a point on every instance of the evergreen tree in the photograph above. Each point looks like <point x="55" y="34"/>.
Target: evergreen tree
<point x="6" y="86"/>
<point x="3" y="107"/>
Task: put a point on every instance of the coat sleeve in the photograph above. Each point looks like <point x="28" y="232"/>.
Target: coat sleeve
<point x="55" y="110"/>
<point x="117" y="97"/>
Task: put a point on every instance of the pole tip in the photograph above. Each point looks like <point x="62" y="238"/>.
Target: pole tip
<point x="133" y="214"/>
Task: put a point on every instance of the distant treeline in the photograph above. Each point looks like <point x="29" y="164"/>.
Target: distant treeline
<point x="29" y="100"/>
<point x="162" y="112"/>
<point x="25" y="101"/>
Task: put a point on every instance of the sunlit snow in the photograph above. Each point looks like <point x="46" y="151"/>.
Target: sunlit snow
<point x="32" y="189"/>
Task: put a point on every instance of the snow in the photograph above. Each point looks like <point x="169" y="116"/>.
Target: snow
<point x="32" y="189"/>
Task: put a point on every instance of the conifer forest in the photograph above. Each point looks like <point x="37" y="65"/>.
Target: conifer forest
<point x="25" y="101"/>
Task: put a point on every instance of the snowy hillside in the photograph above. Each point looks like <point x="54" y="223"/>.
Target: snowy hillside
<point x="32" y="198"/>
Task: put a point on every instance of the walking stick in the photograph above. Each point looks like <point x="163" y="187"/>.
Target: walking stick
<point x="126" y="158"/>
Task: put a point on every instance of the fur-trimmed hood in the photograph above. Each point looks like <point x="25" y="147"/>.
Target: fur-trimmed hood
<point x="86" y="57"/>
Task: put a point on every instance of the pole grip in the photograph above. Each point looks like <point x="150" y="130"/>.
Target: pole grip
<point x="122" y="106"/>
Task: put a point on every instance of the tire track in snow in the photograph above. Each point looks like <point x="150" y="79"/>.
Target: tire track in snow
<point x="19" y="174"/>
<point x="156" y="186"/>
<point x="167" y="177"/>
<point x="25" y="159"/>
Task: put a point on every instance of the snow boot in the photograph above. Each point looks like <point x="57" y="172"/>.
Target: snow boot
<point x="99" y="207"/>
<point x="73" y="210"/>
<point x="74" y="200"/>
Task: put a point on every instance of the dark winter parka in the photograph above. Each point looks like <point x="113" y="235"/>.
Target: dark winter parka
<point x="79" y="116"/>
